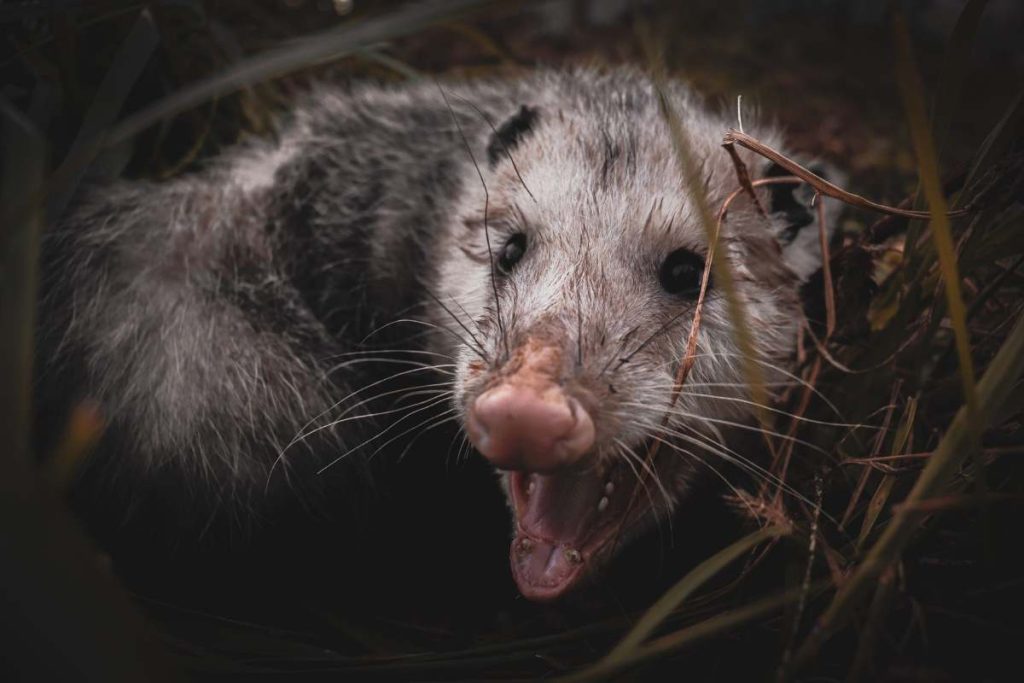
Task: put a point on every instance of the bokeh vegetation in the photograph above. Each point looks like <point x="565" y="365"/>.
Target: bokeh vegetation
<point x="903" y="432"/>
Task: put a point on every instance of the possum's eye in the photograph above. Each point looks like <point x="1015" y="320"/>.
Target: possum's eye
<point x="681" y="272"/>
<point x="512" y="252"/>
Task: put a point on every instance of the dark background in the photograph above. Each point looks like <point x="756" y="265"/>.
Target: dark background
<point x="423" y="568"/>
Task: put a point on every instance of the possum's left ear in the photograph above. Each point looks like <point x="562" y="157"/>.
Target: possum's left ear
<point x="795" y="219"/>
<point x="510" y="133"/>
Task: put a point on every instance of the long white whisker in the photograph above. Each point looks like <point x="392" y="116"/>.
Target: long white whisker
<point x="368" y="416"/>
<point x="437" y="421"/>
<point x="703" y="461"/>
<point x="779" y="411"/>
<point x="654" y="476"/>
<point x="430" y="404"/>
<point x="352" y="395"/>
<point x="679" y="412"/>
<point x="627" y="455"/>
<point x="772" y="366"/>
<point x="735" y="458"/>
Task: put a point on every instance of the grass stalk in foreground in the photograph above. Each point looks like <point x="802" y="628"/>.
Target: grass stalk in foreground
<point x="993" y="389"/>
<point x="931" y="184"/>
<point x="690" y="172"/>
<point x="697" y="577"/>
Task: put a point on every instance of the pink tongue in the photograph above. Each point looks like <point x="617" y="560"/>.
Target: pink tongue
<point x="560" y="507"/>
<point x="557" y="517"/>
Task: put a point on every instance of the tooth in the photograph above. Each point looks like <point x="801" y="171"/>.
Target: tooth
<point x="609" y="488"/>
<point x="573" y="555"/>
<point x="529" y="487"/>
<point x="602" y="504"/>
<point x="525" y="545"/>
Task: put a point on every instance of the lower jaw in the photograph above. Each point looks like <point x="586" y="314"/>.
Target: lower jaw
<point x="546" y="569"/>
<point x="572" y="567"/>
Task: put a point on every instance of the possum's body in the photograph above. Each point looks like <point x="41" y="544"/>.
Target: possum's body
<point x="217" y="318"/>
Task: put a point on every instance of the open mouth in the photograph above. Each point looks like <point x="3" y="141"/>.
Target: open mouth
<point x="566" y="523"/>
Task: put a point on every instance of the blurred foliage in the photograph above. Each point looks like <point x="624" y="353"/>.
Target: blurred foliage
<point x="879" y="410"/>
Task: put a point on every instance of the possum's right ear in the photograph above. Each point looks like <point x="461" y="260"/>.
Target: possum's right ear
<point x="795" y="218"/>
<point x="510" y="133"/>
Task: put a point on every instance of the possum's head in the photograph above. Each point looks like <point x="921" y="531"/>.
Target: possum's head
<point x="575" y="318"/>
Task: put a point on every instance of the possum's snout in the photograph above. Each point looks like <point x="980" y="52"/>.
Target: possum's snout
<point x="518" y="426"/>
<point x="528" y="422"/>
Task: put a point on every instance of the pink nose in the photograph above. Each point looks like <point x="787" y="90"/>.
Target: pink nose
<point x="521" y="428"/>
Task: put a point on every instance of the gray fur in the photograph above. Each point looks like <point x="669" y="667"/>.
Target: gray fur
<point x="207" y="314"/>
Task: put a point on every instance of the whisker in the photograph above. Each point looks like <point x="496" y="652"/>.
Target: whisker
<point x="627" y="455"/>
<point x="662" y="328"/>
<point x="303" y="434"/>
<point x="440" y="367"/>
<point x="779" y="411"/>
<point x="504" y="147"/>
<point x="777" y="368"/>
<point x="382" y="433"/>
<point x="738" y="460"/>
<point x="478" y="348"/>
<point x="468" y="316"/>
<point x="652" y="473"/>
<point x="437" y="420"/>
<point x="408" y="446"/>
<point x="389" y="351"/>
<point x="703" y="461"/>
<point x="678" y="412"/>
<point x="370" y="416"/>
<point x="487" y="230"/>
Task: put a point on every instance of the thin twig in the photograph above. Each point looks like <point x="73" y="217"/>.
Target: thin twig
<point x="743" y="174"/>
<point x="826" y="271"/>
<point x="820" y="184"/>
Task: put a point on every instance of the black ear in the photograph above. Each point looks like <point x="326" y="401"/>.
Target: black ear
<point x="793" y="214"/>
<point x="509" y="133"/>
<point x="795" y="219"/>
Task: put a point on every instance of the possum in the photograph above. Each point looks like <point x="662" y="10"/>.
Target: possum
<point x="522" y="252"/>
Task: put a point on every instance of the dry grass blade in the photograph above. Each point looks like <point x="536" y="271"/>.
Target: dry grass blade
<point x="877" y="503"/>
<point x="743" y="175"/>
<point x="820" y="184"/>
<point x="962" y="437"/>
<point x="690" y="354"/>
<point x="723" y="274"/>
<point x="993" y="389"/>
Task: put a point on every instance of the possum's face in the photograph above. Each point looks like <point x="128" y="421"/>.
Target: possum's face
<point x="574" y="324"/>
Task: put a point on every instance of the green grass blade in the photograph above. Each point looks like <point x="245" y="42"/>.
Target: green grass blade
<point x="690" y="171"/>
<point x="22" y="174"/>
<point x="67" y="617"/>
<point x="724" y="622"/>
<point x="928" y="170"/>
<point x="955" y="64"/>
<point x="129" y="61"/>
<point x="996" y="143"/>
<point x="696" y="578"/>
<point x="333" y="43"/>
